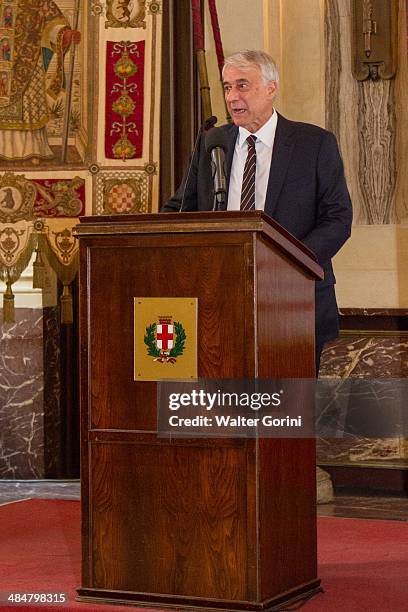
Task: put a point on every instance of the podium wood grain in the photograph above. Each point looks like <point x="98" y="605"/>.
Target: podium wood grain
<point x="208" y="523"/>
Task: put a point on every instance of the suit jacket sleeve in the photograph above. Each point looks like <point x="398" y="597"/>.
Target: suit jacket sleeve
<point x="334" y="210"/>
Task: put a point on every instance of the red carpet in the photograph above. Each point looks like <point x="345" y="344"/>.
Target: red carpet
<point x="363" y="563"/>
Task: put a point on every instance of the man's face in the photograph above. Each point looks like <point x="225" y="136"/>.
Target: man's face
<point x="249" y="100"/>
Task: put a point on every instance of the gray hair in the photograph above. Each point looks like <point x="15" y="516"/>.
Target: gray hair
<point x="245" y="60"/>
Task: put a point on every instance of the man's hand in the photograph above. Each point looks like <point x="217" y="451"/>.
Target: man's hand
<point x="71" y="37"/>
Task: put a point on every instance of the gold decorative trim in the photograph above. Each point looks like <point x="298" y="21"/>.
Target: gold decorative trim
<point x="373" y="332"/>
<point x="123" y="196"/>
<point x="24" y="126"/>
<point x="65" y="245"/>
<point x="94" y="168"/>
<point x="96" y="8"/>
<point x="17" y="198"/>
<point x="154" y="7"/>
<point x="104" y="181"/>
<point x="124" y="19"/>
<point x="150" y="168"/>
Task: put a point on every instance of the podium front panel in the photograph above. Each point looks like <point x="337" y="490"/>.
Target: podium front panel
<point x="201" y="522"/>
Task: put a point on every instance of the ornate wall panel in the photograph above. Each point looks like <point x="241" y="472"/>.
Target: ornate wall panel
<point x="129" y="106"/>
<point x="79" y="134"/>
<point x="86" y="101"/>
<point x="376" y="127"/>
<point x="362" y="114"/>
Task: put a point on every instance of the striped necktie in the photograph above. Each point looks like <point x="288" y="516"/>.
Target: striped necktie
<point x="248" y="180"/>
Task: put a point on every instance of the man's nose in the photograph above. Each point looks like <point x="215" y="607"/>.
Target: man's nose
<point x="232" y="94"/>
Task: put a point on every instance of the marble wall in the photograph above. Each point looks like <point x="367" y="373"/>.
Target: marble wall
<point x="30" y="395"/>
<point x="53" y="405"/>
<point x="370" y="120"/>
<point x="22" y="396"/>
<point x="364" y="356"/>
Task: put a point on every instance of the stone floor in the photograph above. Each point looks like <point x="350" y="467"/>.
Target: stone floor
<point x="386" y="508"/>
<point x="392" y="508"/>
<point x="15" y="490"/>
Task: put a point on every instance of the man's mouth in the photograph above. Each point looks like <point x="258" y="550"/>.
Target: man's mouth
<point x="238" y="111"/>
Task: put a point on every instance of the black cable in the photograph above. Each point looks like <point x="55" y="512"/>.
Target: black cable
<point x="207" y="125"/>
<point x="301" y="602"/>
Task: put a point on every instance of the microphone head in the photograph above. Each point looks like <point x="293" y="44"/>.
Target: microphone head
<point x="216" y="137"/>
<point x="209" y="123"/>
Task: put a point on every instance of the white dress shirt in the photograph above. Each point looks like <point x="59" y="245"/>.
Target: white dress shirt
<point x="265" y="137"/>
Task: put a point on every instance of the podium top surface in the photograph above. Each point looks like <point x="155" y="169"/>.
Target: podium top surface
<point x="194" y="222"/>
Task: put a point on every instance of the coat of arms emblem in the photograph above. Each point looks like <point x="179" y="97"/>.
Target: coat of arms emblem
<point x="165" y="340"/>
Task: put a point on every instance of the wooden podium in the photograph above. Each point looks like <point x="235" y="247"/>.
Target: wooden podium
<point x="206" y="523"/>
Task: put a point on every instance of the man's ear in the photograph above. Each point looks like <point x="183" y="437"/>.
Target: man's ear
<point x="271" y="88"/>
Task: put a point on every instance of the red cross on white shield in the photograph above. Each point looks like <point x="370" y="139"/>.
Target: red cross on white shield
<point x="164" y="336"/>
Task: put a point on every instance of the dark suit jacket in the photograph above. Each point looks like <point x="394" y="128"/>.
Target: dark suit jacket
<point x="306" y="194"/>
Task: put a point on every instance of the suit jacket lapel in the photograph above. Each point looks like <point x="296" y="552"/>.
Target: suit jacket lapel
<point x="282" y="151"/>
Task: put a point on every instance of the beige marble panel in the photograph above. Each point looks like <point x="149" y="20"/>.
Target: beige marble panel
<point x="241" y="27"/>
<point x="273" y="35"/>
<point x="303" y="60"/>
<point x="401" y="111"/>
<point x="292" y="31"/>
<point x="371" y="247"/>
<point x="298" y="47"/>
<point x="342" y="93"/>
<point x="370" y="289"/>
<point x="377" y="151"/>
<point x="333" y="65"/>
<point x="371" y="268"/>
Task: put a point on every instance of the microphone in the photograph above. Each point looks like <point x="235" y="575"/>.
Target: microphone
<point x="207" y="125"/>
<point x="216" y="143"/>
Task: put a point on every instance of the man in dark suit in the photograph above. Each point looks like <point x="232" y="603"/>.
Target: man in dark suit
<point x="293" y="171"/>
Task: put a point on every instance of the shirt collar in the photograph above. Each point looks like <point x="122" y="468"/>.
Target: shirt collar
<point x="265" y="134"/>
